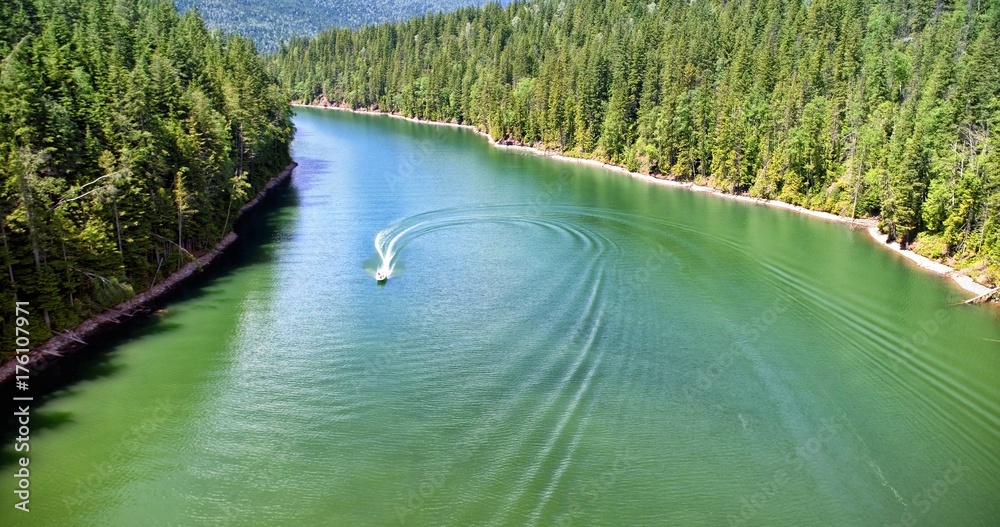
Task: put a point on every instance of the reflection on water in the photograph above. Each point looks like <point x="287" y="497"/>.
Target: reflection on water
<point x="567" y="347"/>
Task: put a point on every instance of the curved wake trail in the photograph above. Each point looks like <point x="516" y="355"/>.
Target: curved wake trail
<point x="556" y="426"/>
<point x="391" y="241"/>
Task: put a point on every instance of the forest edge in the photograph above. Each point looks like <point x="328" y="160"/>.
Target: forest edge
<point x="982" y="292"/>
<point x="110" y="321"/>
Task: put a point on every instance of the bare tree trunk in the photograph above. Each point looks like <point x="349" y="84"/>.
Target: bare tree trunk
<point x="118" y="227"/>
<point x="180" y="235"/>
<point x="239" y="175"/>
<point x="858" y="162"/>
<point x="66" y="260"/>
<point x="157" y="273"/>
<point x="225" y="225"/>
<point x="32" y="232"/>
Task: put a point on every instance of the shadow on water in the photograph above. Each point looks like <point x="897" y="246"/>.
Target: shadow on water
<point x="40" y="420"/>
<point x="96" y="361"/>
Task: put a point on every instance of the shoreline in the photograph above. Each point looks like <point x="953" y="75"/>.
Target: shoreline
<point x="109" y="322"/>
<point x="859" y="222"/>
<point x="963" y="280"/>
<point x="870" y="225"/>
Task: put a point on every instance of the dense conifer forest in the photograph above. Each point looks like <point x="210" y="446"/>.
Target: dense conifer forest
<point x="874" y="108"/>
<point x="130" y="133"/>
<point x="129" y="137"/>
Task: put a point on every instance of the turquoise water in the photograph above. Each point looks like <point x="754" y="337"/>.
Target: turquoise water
<point x="557" y="345"/>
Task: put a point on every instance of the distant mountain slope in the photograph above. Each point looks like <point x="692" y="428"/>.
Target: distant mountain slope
<point x="268" y="22"/>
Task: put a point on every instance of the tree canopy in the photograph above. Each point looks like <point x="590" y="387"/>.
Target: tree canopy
<point x="129" y="136"/>
<point x="878" y="108"/>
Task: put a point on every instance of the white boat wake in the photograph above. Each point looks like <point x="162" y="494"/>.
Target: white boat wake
<point x="575" y="221"/>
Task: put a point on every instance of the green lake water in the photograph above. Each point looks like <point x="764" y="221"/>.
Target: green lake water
<point x="557" y="345"/>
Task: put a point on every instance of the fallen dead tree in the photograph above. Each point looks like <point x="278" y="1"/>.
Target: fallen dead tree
<point x="985" y="297"/>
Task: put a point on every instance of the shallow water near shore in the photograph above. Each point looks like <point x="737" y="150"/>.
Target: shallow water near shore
<point x="558" y="345"/>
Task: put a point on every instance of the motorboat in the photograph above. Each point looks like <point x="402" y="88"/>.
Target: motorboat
<point x="381" y="276"/>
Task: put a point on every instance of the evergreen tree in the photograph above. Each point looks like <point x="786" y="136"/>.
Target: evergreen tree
<point x="128" y="134"/>
<point x="863" y="108"/>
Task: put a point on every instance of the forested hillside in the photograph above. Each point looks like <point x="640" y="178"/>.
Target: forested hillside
<point x="859" y="107"/>
<point x="269" y="22"/>
<point x="129" y="137"/>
